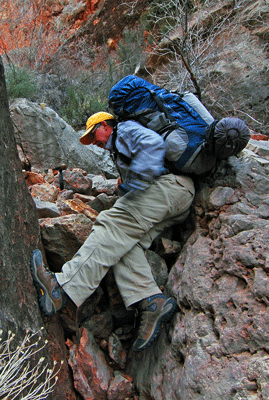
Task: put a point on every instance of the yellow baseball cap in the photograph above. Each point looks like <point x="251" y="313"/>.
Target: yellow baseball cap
<point x="91" y="122"/>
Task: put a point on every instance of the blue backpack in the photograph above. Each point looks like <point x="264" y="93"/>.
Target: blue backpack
<point x="181" y="119"/>
<point x="193" y="139"/>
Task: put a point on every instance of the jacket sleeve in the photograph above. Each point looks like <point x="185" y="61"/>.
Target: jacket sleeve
<point x="146" y="150"/>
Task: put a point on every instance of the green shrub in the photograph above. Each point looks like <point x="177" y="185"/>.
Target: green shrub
<point x="21" y="82"/>
<point x="79" y="104"/>
<point x="131" y="51"/>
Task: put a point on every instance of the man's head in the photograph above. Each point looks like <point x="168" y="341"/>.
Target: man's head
<point x="98" y="129"/>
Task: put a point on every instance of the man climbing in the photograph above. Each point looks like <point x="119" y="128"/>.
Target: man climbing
<point x="152" y="200"/>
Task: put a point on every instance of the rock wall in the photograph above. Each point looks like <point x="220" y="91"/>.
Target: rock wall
<point x="33" y="31"/>
<point x="41" y="26"/>
<point x="19" y="312"/>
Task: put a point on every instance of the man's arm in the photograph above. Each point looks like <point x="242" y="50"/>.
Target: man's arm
<point x="145" y="149"/>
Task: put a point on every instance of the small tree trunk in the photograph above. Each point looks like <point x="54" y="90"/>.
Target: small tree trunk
<point x="19" y="236"/>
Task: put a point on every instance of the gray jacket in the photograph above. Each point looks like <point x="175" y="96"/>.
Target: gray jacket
<point x="145" y="149"/>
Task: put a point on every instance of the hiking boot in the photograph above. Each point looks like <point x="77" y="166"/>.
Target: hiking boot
<point x="156" y="310"/>
<point x="51" y="296"/>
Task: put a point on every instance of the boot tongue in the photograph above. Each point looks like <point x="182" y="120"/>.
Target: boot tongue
<point x="148" y="305"/>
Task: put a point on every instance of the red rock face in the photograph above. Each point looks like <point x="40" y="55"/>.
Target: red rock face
<point x="36" y="29"/>
<point x="41" y="24"/>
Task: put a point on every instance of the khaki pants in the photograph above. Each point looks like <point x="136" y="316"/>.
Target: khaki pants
<point x="119" y="237"/>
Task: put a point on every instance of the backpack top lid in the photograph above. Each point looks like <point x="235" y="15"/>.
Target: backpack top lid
<point x="230" y="136"/>
<point x="130" y="95"/>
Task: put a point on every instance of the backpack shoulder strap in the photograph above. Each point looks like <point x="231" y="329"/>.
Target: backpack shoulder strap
<point x="113" y="138"/>
<point x="115" y="153"/>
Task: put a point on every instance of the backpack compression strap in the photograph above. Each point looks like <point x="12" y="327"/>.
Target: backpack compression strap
<point x="209" y="144"/>
<point x="161" y="106"/>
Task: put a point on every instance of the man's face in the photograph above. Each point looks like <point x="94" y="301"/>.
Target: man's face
<point x="100" y="134"/>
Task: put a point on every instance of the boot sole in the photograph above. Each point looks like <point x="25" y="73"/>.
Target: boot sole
<point x="163" y="318"/>
<point x="45" y="301"/>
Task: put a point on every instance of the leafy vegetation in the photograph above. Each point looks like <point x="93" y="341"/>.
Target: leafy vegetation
<point x="21" y="82"/>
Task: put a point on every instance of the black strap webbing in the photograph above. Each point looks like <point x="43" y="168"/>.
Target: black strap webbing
<point x="127" y="160"/>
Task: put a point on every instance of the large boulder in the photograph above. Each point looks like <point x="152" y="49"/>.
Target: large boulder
<point x="217" y="345"/>
<point x="91" y="372"/>
<point x="48" y="141"/>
